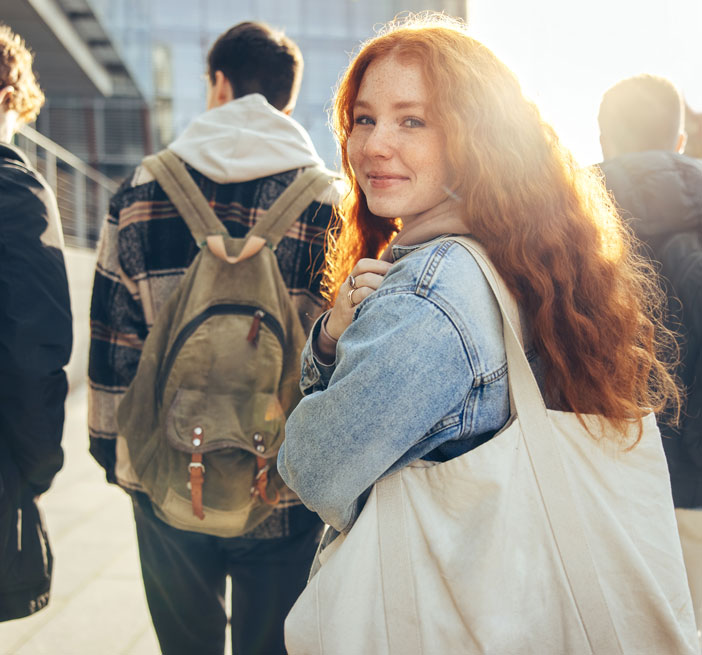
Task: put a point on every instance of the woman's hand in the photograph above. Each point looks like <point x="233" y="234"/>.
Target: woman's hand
<point x="365" y="278"/>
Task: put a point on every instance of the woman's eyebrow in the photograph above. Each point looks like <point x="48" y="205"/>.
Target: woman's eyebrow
<point x="402" y="104"/>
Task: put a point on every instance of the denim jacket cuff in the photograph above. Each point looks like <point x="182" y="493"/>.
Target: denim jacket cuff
<point x="315" y="373"/>
<point x="324" y="346"/>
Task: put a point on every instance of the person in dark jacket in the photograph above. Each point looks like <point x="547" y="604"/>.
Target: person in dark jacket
<point x="659" y="193"/>
<point x="35" y="344"/>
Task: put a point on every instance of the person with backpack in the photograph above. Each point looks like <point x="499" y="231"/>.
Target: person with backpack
<point x="207" y="281"/>
<point x="36" y="335"/>
<point x="658" y="191"/>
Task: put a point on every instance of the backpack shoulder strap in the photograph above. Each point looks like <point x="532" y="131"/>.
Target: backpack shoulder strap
<point x="291" y="203"/>
<point x="170" y="172"/>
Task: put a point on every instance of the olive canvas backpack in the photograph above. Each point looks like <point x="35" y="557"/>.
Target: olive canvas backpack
<point x="204" y="417"/>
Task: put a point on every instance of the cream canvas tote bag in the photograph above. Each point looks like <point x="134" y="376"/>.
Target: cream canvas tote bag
<point x="544" y="541"/>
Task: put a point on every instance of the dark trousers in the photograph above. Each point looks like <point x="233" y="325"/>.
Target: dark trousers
<point x="185" y="575"/>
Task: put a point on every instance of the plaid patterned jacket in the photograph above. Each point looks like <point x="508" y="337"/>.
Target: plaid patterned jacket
<point x="145" y="249"/>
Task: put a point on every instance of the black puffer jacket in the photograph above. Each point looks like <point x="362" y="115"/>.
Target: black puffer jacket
<point x="35" y="345"/>
<point x="660" y="194"/>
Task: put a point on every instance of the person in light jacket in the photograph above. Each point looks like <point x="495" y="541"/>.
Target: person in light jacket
<point x="437" y="141"/>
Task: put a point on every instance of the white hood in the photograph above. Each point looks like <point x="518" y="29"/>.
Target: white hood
<point x="245" y="139"/>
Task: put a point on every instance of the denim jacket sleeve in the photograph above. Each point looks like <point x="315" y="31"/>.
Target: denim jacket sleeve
<point x="401" y="379"/>
<point x="315" y="375"/>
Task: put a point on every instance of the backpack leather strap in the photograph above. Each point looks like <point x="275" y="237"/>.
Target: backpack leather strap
<point x="260" y="485"/>
<point x="197" y="479"/>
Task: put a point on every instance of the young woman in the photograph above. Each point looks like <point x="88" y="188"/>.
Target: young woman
<point x="437" y="139"/>
<point x="410" y="363"/>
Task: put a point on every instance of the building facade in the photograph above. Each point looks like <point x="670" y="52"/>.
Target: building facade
<point x="164" y="44"/>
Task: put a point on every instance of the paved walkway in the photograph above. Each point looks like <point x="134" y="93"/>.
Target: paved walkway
<point x="97" y="604"/>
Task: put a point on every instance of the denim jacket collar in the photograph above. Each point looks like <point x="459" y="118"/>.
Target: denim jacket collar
<point x="399" y="251"/>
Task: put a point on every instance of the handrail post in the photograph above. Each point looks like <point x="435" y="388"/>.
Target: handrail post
<point x="51" y="172"/>
<point x="72" y="179"/>
<point x="81" y="219"/>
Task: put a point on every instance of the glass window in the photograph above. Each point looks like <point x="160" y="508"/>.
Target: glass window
<point x="220" y="15"/>
<point x="287" y="16"/>
<point x="169" y="14"/>
<point x="324" y="18"/>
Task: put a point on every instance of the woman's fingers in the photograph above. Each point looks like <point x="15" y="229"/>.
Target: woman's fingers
<point x="371" y="266"/>
<point x="368" y="273"/>
<point x="365" y="278"/>
<point x="359" y="294"/>
<point x="370" y="280"/>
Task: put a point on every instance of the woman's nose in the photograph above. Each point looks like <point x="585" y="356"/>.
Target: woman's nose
<point x="379" y="142"/>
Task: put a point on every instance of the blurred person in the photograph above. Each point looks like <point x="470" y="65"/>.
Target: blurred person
<point x="693" y="128"/>
<point x="658" y="191"/>
<point x="243" y="152"/>
<point x="409" y="363"/>
<point x="35" y="343"/>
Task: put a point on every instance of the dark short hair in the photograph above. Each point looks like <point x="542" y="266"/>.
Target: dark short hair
<point x="644" y="112"/>
<point x="257" y="59"/>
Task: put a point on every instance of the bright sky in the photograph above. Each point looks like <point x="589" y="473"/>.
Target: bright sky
<point x="567" y="53"/>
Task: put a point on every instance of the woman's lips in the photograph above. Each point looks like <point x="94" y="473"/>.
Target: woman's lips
<point x="383" y="181"/>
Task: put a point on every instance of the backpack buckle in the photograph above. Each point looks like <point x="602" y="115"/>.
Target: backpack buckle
<point x="260" y="484"/>
<point x="263" y="471"/>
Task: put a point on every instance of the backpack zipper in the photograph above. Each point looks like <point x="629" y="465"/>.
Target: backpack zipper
<point x="259" y="316"/>
<point x="252" y="336"/>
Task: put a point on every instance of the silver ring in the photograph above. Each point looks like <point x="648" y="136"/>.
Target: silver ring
<point x="350" y="297"/>
<point x="352" y="281"/>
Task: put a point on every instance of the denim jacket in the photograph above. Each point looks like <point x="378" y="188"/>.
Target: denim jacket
<point x="420" y="372"/>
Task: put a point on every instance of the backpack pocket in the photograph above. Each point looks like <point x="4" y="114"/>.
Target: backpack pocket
<point x="203" y="422"/>
<point x="225" y="438"/>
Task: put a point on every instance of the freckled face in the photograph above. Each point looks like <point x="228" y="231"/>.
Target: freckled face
<point x="395" y="149"/>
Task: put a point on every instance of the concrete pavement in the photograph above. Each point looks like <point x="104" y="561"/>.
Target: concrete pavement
<point x="97" y="604"/>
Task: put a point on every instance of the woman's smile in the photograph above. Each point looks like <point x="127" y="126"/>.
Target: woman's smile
<point x="395" y="149"/>
<point x="385" y="180"/>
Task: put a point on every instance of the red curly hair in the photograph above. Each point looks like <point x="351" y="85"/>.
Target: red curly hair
<point x="548" y="225"/>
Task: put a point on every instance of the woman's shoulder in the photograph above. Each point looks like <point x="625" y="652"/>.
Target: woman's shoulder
<point x="440" y="267"/>
<point x="445" y="274"/>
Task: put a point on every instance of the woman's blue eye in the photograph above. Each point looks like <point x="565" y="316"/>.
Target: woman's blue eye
<point x="413" y="122"/>
<point x="363" y="120"/>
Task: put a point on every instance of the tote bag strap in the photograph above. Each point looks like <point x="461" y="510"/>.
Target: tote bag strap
<point x="542" y="445"/>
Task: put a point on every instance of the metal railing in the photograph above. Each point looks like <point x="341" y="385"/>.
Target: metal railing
<point x="82" y="192"/>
